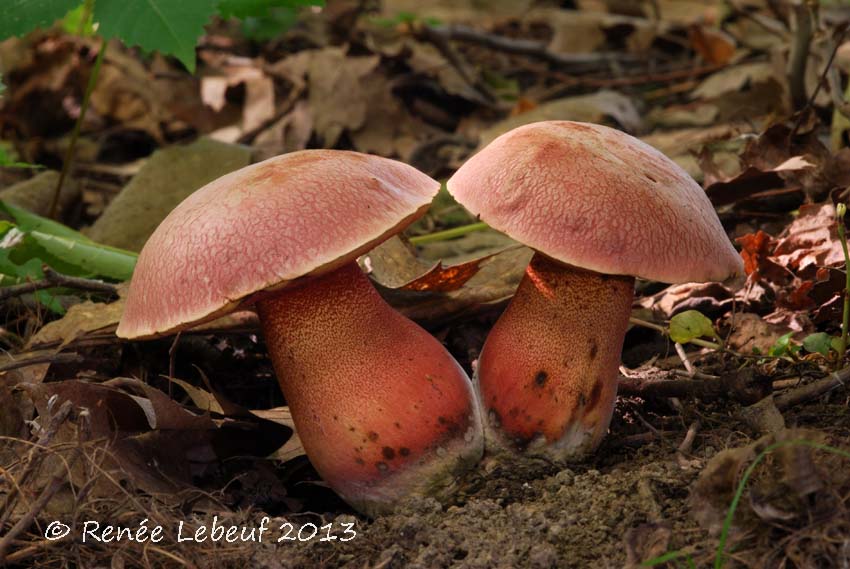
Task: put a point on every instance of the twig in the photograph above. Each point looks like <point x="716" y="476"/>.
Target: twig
<point x="63" y="358"/>
<point x="742" y="386"/>
<point x="640" y="438"/>
<point x="528" y="48"/>
<point x="56" y="482"/>
<point x="47" y="434"/>
<point x="441" y="42"/>
<point x="840" y="212"/>
<point x="686" y="445"/>
<point x="689" y="367"/>
<point x="52" y="279"/>
<point x="815" y="389"/>
<point x="688" y="442"/>
<point x="800" y="53"/>
<point x="75" y="135"/>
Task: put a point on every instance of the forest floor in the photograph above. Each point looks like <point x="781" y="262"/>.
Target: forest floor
<point x="726" y="451"/>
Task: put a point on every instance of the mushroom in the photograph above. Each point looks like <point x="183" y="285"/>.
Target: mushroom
<point x="381" y="407"/>
<point x="599" y="208"/>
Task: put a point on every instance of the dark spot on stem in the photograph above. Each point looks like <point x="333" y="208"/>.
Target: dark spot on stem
<point x="404" y="451"/>
<point x="594" y="349"/>
<point x="388" y="453"/>
<point x="595" y="394"/>
<point x="540" y="378"/>
<point x="373" y="436"/>
<point x="359" y="460"/>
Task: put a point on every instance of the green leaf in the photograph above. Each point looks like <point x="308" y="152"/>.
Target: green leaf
<point x="91" y="258"/>
<point x="29" y="221"/>
<point x="6" y="161"/>
<point x="818" y="343"/>
<point x="689" y="325"/>
<point x="73" y="22"/>
<point x="64" y="249"/>
<point x="168" y="26"/>
<point x="20" y="17"/>
<point x="784" y="346"/>
<point x="269" y="26"/>
<point x="257" y="8"/>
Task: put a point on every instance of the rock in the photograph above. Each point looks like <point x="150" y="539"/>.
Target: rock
<point x="163" y="182"/>
<point x="36" y="194"/>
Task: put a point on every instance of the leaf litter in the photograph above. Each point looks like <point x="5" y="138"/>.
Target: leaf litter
<point x="192" y="426"/>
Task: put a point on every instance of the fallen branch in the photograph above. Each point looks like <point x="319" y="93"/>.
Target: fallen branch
<point x="52" y="279"/>
<point x="742" y="386"/>
<point x="529" y="48"/>
<point x="812" y="390"/>
<point x="64" y="358"/>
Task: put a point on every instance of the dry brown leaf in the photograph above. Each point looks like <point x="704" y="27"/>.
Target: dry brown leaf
<point x="83" y="318"/>
<point x="752" y="182"/>
<point x="282" y="416"/>
<point x="288" y="134"/>
<point x="733" y="79"/>
<point x="335" y="84"/>
<point x="600" y="107"/>
<point x="750" y="332"/>
<point x="426" y="59"/>
<point x="709" y="298"/>
<point x="810" y="241"/>
<point x="388" y="128"/>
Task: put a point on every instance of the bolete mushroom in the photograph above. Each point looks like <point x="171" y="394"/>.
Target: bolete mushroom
<point x="599" y="207"/>
<point x="382" y="409"/>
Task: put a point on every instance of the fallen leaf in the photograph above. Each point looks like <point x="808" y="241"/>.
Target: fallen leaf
<point x="80" y="319"/>
<point x="600" y="107"/>
<point x="712" y="44"/>
<point x="335" y="82"/>
<point x="810" y="241"/>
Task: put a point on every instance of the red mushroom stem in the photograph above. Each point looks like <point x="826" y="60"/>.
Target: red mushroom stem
<point x="548" y="370"/>
<point x="383" y="410"/>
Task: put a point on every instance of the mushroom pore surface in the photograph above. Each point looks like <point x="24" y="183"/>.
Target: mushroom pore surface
<point x="383" y="410"/>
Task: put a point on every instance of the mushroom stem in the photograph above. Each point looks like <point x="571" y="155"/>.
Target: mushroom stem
<point x="548" y="370"/>
<point x="383" y="410"/>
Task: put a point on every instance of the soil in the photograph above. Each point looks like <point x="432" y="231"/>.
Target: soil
<point x="575" y="517"/>
<point x="628" y="504"/>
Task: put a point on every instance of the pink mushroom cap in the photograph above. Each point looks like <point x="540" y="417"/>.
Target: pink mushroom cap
<point x="263" y="226"/>
<point x="594" y="197"/>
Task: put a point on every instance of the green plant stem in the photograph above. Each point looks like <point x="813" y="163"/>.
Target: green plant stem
<point x="739" y="492"/>
<point x="448" y="233"/>
<point x="75" y="135"/>
<point x="845" y="320"/>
